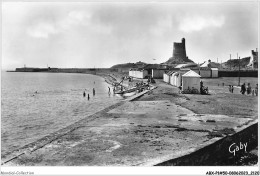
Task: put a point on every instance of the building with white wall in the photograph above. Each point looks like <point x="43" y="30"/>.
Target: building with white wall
<point x="138" y="73"/>
<point x="214" y="72"/>
<point x="191" y="80"/>
<point x="167" y="75"/>
<point x="205" y="72"/>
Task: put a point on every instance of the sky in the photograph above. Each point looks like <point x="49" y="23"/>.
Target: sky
<point x="95" y="34"/>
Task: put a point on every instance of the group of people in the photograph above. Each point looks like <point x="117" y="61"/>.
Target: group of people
<point x="115" y="88"/>
<point x="142" y="86"/>
<point x="84" y="93"/>
<point x="231" y="88"/>
<point x="36" y="92"/>
<point x="248" y="89"/>
<point x="138" y="84"/>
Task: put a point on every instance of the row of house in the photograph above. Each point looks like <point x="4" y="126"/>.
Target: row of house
<point x="144" y="73"/>
<point x="204" y="72"/>
<point x="185" y="79"/>
<point x="173" y="77"/>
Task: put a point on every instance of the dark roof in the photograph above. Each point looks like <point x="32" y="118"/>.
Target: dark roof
<point x="153" y="66"/>
<point x="136" y="69"/>
<point x="204" y="68"/>
<point x="214" y="65"/>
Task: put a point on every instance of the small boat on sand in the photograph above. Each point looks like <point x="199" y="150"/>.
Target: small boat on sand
<point x="133" y="89"/>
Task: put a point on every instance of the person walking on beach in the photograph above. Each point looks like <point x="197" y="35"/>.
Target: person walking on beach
<point x="114" y="89"/>
<point x="243" y="88"/>
<point x="232" y="89"/>
<point x="94" y="92"/>
<point x="88" y="96"/>
<point x="179" y="89"/>
<point x="109" y="90"/>
<point x="248" y="89"/>
<point x="201" y="87"/>
<point x="84" y="94"/>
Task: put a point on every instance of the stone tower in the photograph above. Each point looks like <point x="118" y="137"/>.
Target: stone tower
<point x="179" y="54"/>
<point x="179" y="51"/>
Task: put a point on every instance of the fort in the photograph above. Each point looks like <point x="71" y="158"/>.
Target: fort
<point x="179" y="53"/>
<point x="179" y="50"/>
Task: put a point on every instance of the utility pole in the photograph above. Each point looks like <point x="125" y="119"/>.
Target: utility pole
<point x="239" y="71"/>
<point x="238" y="60"/>
<point x="230" y="61"/>
<point x="199" y="67"/>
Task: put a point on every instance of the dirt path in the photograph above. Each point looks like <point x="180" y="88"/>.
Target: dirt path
<point x="220" y="101"/>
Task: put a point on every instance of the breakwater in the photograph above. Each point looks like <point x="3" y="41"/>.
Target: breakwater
<point x="67" y="70"/>
<point x="84" y="70"/>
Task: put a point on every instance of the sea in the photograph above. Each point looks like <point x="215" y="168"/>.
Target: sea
<point x="27" y="116"/>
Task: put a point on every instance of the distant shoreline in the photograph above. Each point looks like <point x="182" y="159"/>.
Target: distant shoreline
<point x="110" y="75"/>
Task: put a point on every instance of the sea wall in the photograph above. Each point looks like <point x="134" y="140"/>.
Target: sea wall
<point x="218" y="153"/>
<point x="68" y="70"/>
<point x="30" y="69"/>
<point x="84" y="70"/>
<point x="243" y="73"/>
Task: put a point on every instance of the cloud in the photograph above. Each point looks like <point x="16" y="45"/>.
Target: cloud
<point x="42" y="30"/>
<point x="162" y="26"/>
<point x="45" y="28"/>
<point x="94" y="34"/>
<point x="75" y="18"/>
<point x="130" y="21"/>
<point x="198" y="23"/>
<point x="72" y="20"/>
